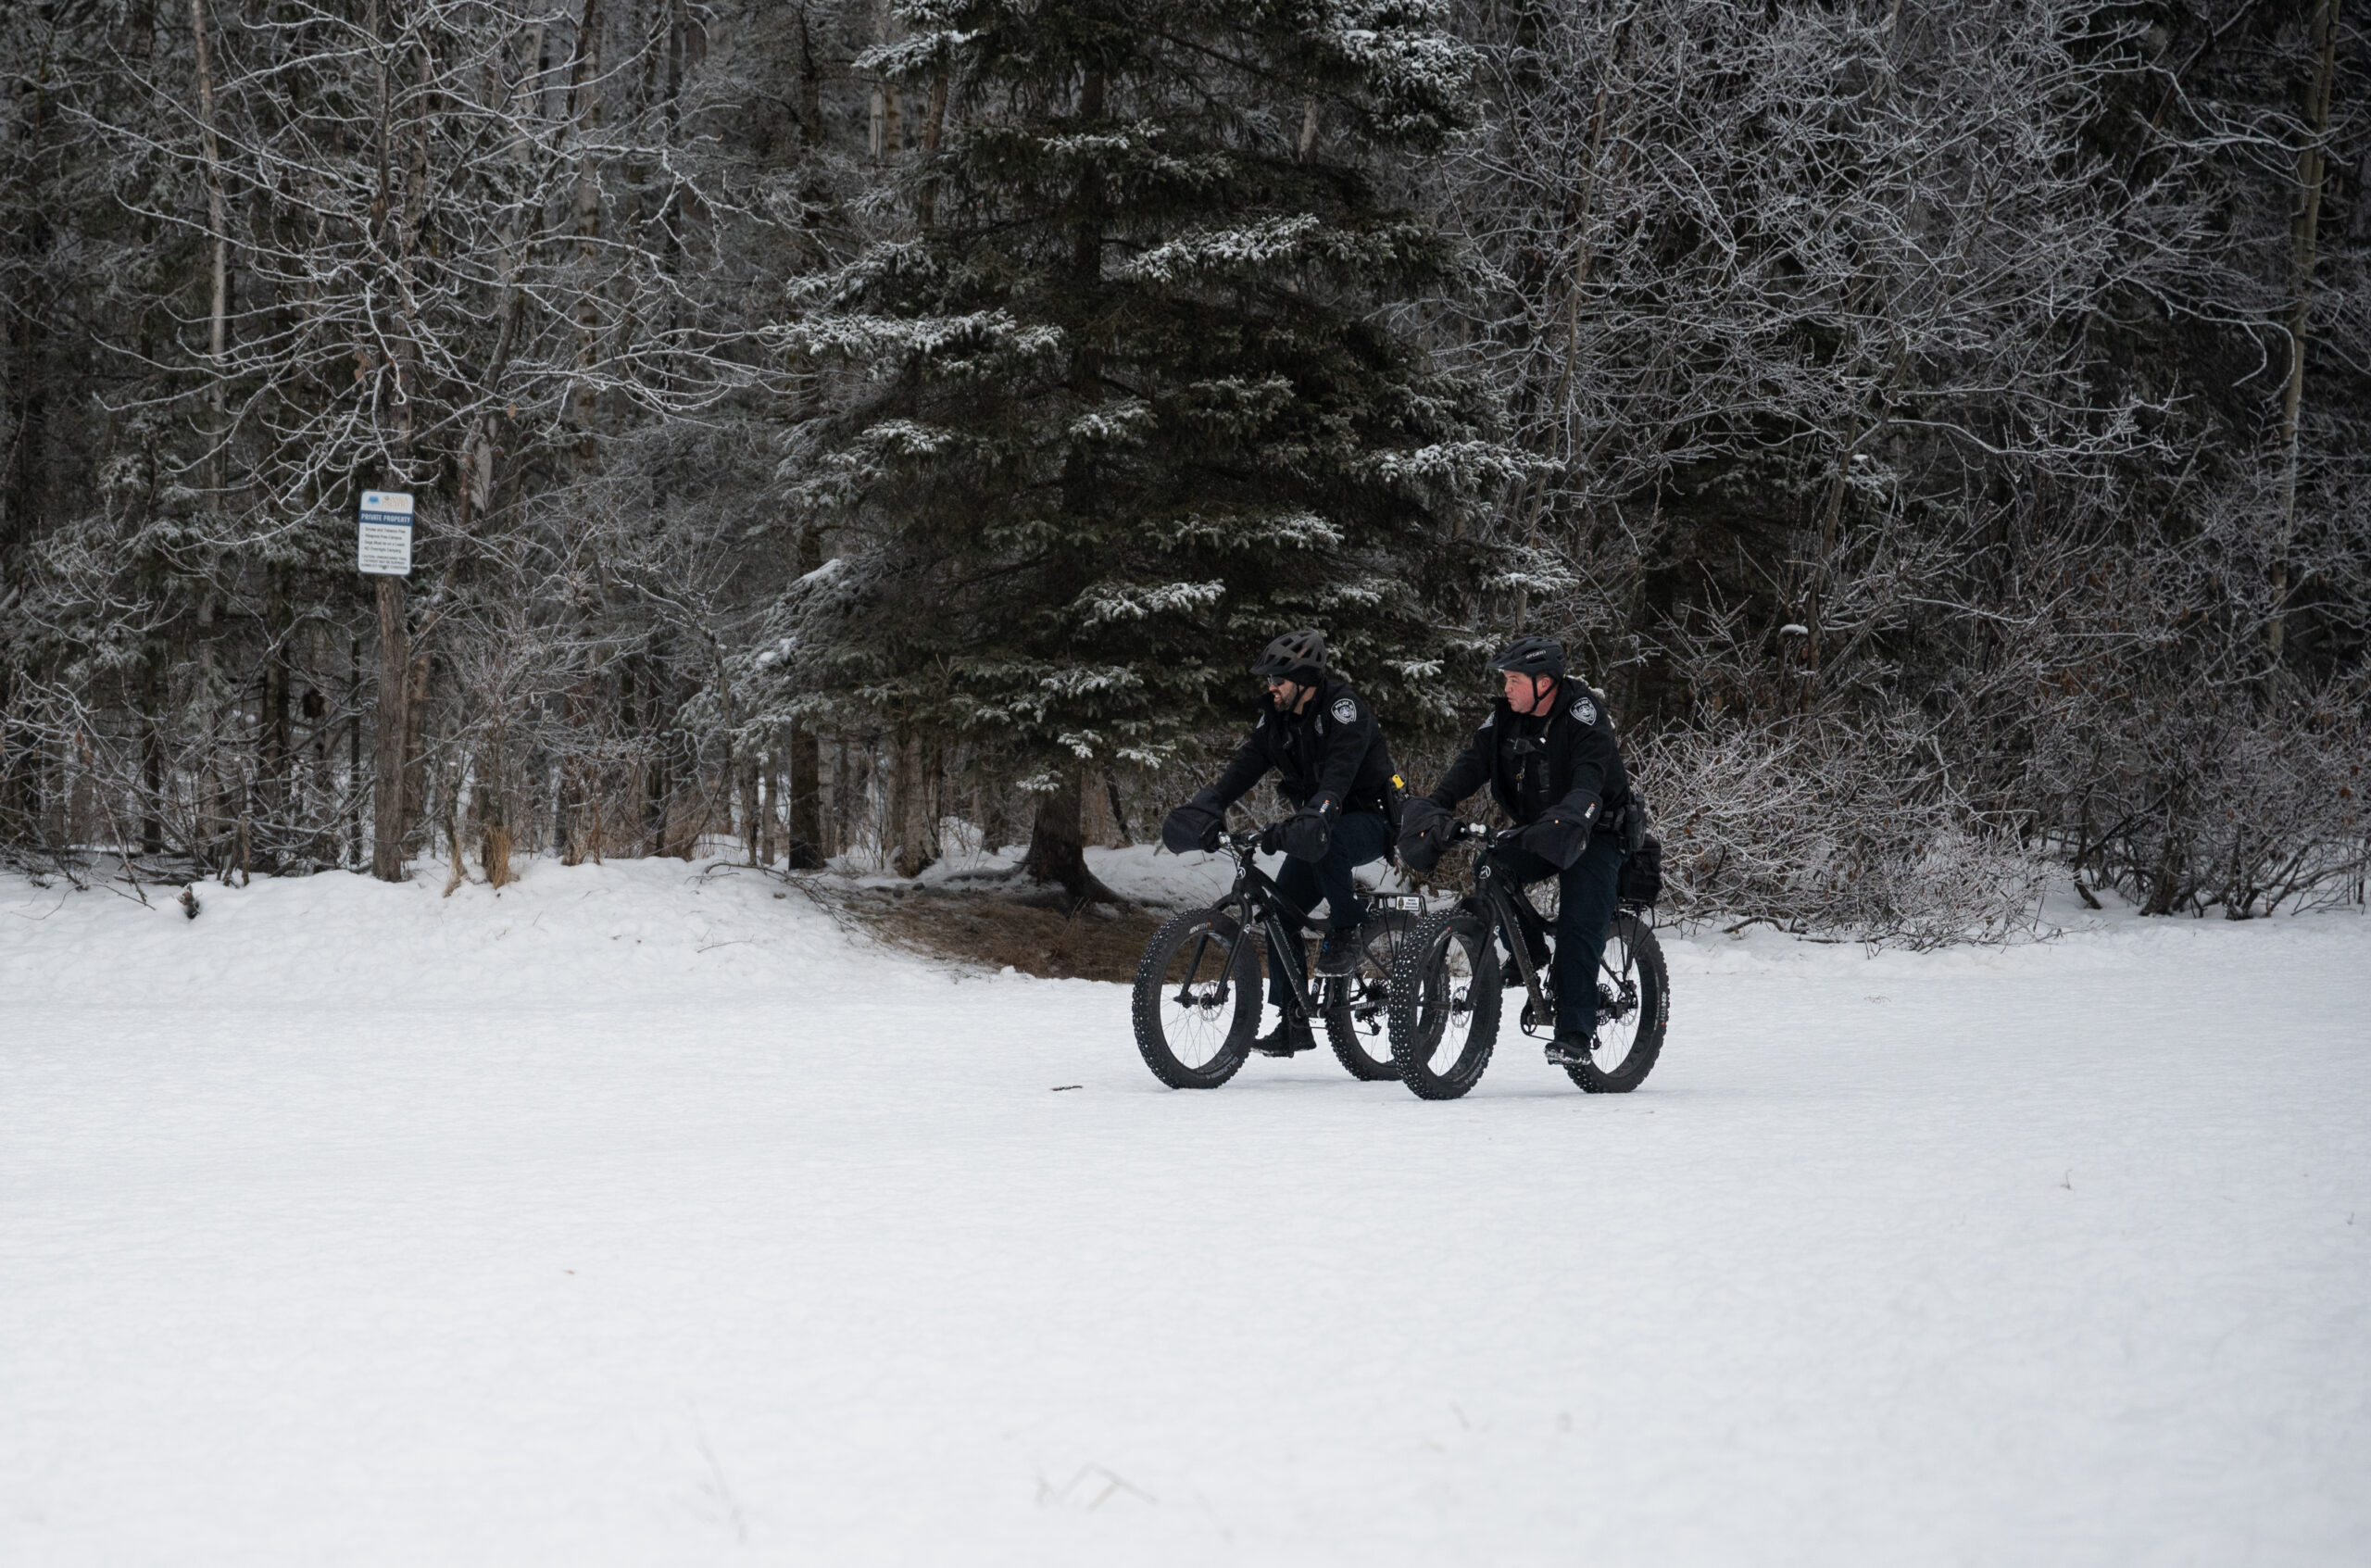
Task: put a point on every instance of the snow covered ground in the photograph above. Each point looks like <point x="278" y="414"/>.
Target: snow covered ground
<point x="638" y="1216"/>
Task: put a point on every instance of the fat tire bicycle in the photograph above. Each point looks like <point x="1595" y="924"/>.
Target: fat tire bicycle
<point x="1449" y="988"/>
<point x="1199" y="988"/>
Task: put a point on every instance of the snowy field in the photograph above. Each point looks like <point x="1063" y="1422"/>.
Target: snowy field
<point x="638" y="1216"/>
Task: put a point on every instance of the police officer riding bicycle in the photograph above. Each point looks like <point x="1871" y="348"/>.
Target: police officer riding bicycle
<point x="1549" y="754"/>
<point x="1323" y="739"/>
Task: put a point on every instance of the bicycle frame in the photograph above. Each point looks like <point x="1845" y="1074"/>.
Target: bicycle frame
<point x="1494" y="899"/>
<point x="1263" y="907"/>
<point x="1500" y="902"/>
<point x="1255" y="893"/>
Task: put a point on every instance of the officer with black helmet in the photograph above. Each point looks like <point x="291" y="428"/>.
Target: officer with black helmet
<point x="1323" y="740"/>
<point x="1548" y="755"/>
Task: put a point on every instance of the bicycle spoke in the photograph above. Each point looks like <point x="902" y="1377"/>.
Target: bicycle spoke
<point x="1194" y="1016"/>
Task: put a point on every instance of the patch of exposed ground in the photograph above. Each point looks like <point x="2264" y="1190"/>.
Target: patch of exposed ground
<point x="1096" y="942"/>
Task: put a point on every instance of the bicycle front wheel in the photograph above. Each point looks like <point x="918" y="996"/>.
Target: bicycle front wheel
<point x="1445" y="998"/>
<point x="1632" y="1006"/>
<point x="1196" y="999"/>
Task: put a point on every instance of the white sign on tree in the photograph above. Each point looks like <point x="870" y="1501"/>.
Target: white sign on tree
<point x="383" y="547"/>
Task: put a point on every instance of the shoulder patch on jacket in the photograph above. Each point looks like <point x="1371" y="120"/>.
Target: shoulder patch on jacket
<point x="1260" y="723"/>
<point x="1344" y="710"/>
<point x="1585" y="710"/>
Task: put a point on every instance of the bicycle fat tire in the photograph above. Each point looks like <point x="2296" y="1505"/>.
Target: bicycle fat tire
<point x="1654" y="1011"/>
<point x="1359" y="1024"/>
<point x="1233" y="967"/>
<point x="1423" y="1004"/>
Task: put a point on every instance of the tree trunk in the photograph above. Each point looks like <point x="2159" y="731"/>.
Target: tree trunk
<point x="279" y="761"/>
<point x="810" y="84"/>
<point x="887" y="137"/>
<point x="152" y="761"/>
<point x="1057" y="853"/>
<point x="842" y="787"/>
<point x="492" y="802"/>
<point x="752" y="803"/>
<point x="584" y="100"/>
<point x="659" y="805"/>
<point x="395" y="688"/>
<point x="904" y="841"/>
<point x="2312" y="164"/>
<point x="415" y="796"/>
<point x="219" y="229"/>
<point x="1119" y="812"/>
<point x="770" y="801"/>
<point x="806" y="847"/>
<point x="401" y="677"/>
<point x="934" y="124"/>
<point x="353" y="753"/>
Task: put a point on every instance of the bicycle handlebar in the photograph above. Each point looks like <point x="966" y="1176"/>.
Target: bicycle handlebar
<point x="1462" y="833"/>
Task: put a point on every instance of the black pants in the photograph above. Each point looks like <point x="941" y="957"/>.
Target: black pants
<point x="1586" y="894"/>
<point x="1358" y="837"/>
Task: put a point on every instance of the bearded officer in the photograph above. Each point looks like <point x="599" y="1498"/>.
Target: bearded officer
<point x="1323" y="739"/>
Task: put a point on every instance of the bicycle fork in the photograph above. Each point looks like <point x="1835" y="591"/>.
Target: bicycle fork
<point x="1287" y="950"/>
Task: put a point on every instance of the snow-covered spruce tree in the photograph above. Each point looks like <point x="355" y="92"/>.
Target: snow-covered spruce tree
<point x="1119" y="403"/>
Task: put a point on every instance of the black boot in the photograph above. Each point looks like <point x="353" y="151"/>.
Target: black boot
<point x="1571" y="1050"/>
<point x="1511" y="974"/>
<point x="1289" y="1037"/>
<point x="1339" y="954"/>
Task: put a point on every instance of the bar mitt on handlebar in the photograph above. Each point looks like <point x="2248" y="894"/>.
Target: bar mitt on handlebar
<point x="1308" y="832"/>
<point x="1561" y="835"/>
<point x="1425" y="828"/>
<point x="1194" y="825"/>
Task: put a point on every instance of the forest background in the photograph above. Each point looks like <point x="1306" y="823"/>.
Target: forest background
<point x="1938" y="429"/>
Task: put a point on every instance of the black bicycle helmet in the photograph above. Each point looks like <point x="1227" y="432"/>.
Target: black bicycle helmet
<point x="1536" y="656"/>
<point x="1296" y="656"/>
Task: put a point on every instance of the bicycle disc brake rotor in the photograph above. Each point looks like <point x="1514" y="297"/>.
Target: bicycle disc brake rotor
<point x="1209" y="996"/>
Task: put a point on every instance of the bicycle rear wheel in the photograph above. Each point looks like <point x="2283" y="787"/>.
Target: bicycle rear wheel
<point x="1445" y="998"/>
<point x="1358" y="1016"/>
<point x="1196" y="999"/>
<point x="1633" y="1006"/>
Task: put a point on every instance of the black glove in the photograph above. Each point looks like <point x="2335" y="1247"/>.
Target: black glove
<point x="1561" y="835"/>
<point x="1194" y="825"/>
<point x="1424" y="833"/>
<point x="1311" y="829"/>
<point x="1271" y="837"/>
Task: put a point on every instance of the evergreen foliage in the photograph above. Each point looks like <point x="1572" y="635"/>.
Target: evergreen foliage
<point x="1131" y="404"/>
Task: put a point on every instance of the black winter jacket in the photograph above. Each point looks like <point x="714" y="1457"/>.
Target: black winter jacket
<point x="1332" y="747"/>
<point x="1566" y="764"/>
